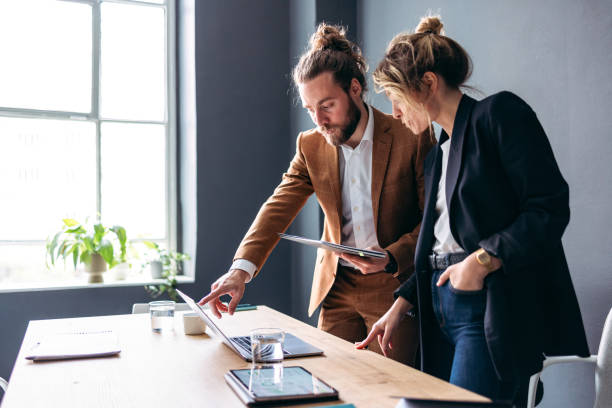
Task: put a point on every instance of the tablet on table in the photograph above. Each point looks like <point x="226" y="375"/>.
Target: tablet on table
<point x="267" y="385"/>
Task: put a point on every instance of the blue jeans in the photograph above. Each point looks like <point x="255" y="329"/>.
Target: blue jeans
<point x="460" y="315"/>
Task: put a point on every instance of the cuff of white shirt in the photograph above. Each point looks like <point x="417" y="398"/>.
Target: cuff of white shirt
<point x="247" y="266"/>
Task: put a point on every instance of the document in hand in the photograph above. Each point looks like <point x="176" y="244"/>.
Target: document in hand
<point x="342" y="249"/>
<point x="63" y="346"/>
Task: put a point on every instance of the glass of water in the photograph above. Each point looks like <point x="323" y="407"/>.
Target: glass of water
<point x="267" y="346"/>
<point x="162" y="315"/>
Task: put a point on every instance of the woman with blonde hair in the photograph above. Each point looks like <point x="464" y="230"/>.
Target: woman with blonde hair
<point x="491" y="285"/>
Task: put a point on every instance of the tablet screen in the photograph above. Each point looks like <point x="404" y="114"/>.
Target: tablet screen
<point x="270" y="382"/>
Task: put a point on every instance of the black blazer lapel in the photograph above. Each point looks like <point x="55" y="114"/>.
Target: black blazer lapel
<point x="462" y="118"/>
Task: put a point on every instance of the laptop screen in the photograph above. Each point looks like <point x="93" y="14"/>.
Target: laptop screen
<point x="207" y="319"/>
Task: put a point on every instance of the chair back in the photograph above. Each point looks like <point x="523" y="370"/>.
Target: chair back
<point x="144" y="307"/>
<point x="603" y="372"/>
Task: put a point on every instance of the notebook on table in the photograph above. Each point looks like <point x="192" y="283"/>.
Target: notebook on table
<point x="293" y="347"/>
<point x="62" y="346"/>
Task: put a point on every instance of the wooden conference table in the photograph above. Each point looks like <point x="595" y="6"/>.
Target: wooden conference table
<point x="156" y="370"/>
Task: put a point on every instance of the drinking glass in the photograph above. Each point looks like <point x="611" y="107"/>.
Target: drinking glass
<point x="267" y="346"/>
<point x="162" y="316"/>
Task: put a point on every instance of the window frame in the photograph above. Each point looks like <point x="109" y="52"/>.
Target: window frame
<point x="170" y="122"/>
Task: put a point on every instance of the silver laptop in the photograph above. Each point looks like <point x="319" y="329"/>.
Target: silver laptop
<point x="293" y="347"/>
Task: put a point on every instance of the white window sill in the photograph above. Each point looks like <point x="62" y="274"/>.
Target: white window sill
<point x="81" y="284"/>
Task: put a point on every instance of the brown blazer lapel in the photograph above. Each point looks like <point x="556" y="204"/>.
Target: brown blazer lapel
<point x="380" y="159"/>
<point x="331" y="159"/>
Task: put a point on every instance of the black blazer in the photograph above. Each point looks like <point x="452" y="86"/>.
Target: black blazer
<point x="504" y="193"/>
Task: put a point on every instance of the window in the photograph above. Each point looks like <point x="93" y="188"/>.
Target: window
<point x="87" y="125"/>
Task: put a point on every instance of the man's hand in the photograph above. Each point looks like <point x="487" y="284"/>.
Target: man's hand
<point x="368" y="265"/>
<point x="232" y="283"/>
<point x="385" y="326"/>
<point x="468" y="274"/>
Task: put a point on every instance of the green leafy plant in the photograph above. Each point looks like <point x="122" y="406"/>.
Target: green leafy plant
<point x="172" y="263"/>
<point x="78" y="243"/>
<point x="122" y="238"/>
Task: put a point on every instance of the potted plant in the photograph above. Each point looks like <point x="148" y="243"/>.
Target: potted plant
<point x="90" y="246"/>
<point x="166" y="265"/>
<point x="122" y="267"/>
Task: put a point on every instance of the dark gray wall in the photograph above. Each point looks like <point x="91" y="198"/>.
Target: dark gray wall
<point x="242" y="62"/>
<point x="341" y="12"/>
<point x="302" y="22"/>
<point x="554" y="54"/>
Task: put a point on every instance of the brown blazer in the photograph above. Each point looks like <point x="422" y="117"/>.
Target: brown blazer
<point x="397" y="199"/>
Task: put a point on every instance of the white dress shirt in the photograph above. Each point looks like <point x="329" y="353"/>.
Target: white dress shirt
<point x="355" y="167"/>
<point x="445" y="243"/>
<point x="356" y="180"/>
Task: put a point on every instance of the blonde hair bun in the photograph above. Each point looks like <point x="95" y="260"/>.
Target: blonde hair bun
<point x="430" y="24"/>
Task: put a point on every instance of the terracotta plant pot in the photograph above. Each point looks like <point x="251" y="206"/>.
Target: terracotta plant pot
<point x="95" y="268"/>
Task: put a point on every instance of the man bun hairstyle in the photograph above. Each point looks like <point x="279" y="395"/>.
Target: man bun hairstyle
<point x="409" y="56"/>
<point x="330" y="51"/>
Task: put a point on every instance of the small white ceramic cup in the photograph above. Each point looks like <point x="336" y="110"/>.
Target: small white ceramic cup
<point x="193" y="324"/>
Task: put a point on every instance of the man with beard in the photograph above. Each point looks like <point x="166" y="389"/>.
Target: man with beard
<point x="366" y="170"/>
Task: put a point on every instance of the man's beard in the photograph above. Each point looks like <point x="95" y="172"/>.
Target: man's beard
<point x="346" y="131"/>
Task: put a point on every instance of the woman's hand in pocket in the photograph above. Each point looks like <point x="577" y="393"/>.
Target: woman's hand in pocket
<point x="467" y="275"/>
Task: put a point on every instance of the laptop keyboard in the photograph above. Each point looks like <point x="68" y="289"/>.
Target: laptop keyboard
<point x="244" y="343"/>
